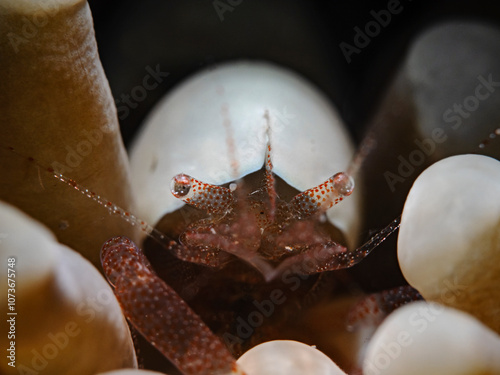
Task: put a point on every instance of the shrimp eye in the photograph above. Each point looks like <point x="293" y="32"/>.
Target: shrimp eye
<point x="180" y="185"/>
<point x="343" y="184"/>
<point x="211" y="198"/>
<point x="325" y="195"/>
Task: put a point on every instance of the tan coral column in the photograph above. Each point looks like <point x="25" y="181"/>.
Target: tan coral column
<point x="56" y="106"/>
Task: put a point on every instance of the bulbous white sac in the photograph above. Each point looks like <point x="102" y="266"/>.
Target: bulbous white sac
<point x="453" y="75"/>
<point x="68" y="320"/>
<point x="449" y="240"/>
<point x="232" y="106"/>
<point x="429" y="338"/>
<point x="284" y="357"/>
